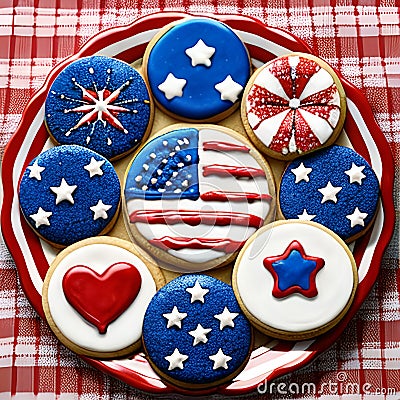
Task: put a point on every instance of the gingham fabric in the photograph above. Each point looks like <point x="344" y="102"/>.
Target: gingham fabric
<point x="361" y="39"/>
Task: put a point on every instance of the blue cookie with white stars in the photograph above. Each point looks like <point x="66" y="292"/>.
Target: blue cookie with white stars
<point x="335" y="187"/>
<point x="194" y="332"/>
<point x="69" y="193"/>
<point x="100" y="103"/>
<point x="197" y="69"/>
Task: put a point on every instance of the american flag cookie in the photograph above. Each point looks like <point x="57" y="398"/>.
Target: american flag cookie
<point x="194" y="194"/>
<point x="194" y="333"/>
<point x="100" y="103"/>
<point x="292" y="105"/>
<point x="335" y="187"/>
<point x="295" y="280"/>
<point x="197" y="69"/>
<point x="96" y="293"/>
<point x="69" y="193"/>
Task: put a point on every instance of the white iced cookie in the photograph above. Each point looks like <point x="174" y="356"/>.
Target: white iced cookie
<point x="295" y="279"/>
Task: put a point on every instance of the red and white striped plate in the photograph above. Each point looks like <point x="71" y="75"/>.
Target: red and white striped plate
<point x="128" y="43"/>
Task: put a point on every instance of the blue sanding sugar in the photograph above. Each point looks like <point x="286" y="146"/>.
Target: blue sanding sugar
<point x="329" y="165"/>
<point x="69" y="222"/>
<point x="120" y="124"/>
<point x="161" y="341"/>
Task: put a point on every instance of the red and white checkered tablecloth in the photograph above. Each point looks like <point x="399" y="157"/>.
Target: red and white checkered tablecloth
<point x="360" y="38"/>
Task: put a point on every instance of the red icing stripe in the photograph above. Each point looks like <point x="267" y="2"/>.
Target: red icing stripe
<point x="176" y="243"/>
<point x="194" y="218"/>
<point x="224" y="146"/>
<point x="234" y="196"/>
<point x="237" y="172"/>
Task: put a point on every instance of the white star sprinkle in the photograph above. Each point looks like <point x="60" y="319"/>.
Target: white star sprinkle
<point x="35" y="170"/>
<point x="94" y="167"/>
<point x="176" y="360"/>
<point x="226" y="318"/>
<point x="355" y="173"/>
<point x="306" y="216"/>
<point x="199" y="335"/>
<point x="329" y="192"/>
<point x="172" y="86"/>
<point x="41" y="217"/>
<point x="100" y="210"/>
<point x="175" y="318"/>
<point x="220" y="360"/>
<point x="197" y="292"/>
<point x="64" y="191"/>
<point x="301" y="173"/>
<point x="200" y="54"/>
<point x="357" y="218"/>
<point x="229" y="89"/>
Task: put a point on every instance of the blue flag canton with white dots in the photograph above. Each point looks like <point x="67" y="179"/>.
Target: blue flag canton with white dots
<point x="166" y="168"/>
<point x="194" y="341"/>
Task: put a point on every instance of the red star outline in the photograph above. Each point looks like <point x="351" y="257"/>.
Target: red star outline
<point x="312" y="290"/>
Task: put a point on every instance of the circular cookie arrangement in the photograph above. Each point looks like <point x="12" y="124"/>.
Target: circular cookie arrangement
<point x="197" y="196"/>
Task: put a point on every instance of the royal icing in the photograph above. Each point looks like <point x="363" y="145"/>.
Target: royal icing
<point x="341" y="192"/>
<point x="211" y="339"/>
<point x="69" y="203"/>
<point x="119" y="284"/>
<point x="114" y="289"/>
<point x="200" y="197"/>
<point x="100" y="103"/>
<point x="195" y="60"/>
<point x="293" y="105"/>
<point x="304" y="276"/>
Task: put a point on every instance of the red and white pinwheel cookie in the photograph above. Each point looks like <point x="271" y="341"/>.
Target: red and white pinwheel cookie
<point x="293" y="105"/>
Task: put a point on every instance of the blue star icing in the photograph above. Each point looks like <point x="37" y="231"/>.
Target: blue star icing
<point x="294" y="271"/>
<point x="160" y="341"/>
<point x="200" y="99"/>
<point x="330" y="165"/>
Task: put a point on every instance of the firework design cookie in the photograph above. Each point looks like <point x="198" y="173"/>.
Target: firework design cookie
<point x="194" y="195"/>
<point x="197" y="69"/>
<point x="293" y="105"/>
<point x="194" y="332"/>
<point x="295" y="279"/>
<point x="100" y="103"/>
<point x="96" y="293"/>
<point x="335" y="187"/>
<point x="69" y="193"/>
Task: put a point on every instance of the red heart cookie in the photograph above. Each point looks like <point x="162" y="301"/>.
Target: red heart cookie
<point x="102" y="298"/>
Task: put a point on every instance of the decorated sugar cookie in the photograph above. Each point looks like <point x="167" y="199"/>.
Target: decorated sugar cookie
<point x="197" y="69"/>
<point x="194" y="195"/>
<point x="335" y="187"/>
<point x="69" y="193"/>
<point x="95" y="296"/>
<point x="100" y="103"/>
<point x="292" y="105"/>
<point x="294" y="279"/>
<point x="195" y="334"/>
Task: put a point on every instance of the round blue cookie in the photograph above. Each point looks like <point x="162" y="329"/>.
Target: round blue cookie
<point x="195" y="333"/>
<point x="335" y="187"/>
<point x="100" y="103"/>
<point x="197" y="69"/>
<point x="69" y="193"/>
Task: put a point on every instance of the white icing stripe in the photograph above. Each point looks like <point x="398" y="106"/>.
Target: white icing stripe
<point x="267" y="130"/>
<point x="270" y="82"/>
<point x="15" y="213"/>
<point x="196" y="256"/>
<point x="319" y="126"/>
<point x="320" y="81"/>
<point x="126" y="44"/>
